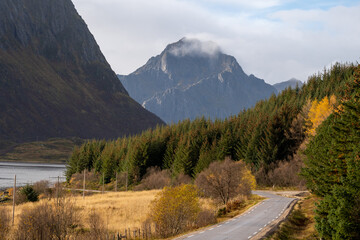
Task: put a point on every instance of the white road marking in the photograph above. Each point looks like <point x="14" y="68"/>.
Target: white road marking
<point x="190" y="236"/>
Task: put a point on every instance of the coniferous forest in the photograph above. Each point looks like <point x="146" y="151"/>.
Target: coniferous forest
<point x="312" y="131"/>
<point x="262" y="136"/>
<point x="333" y="168"/>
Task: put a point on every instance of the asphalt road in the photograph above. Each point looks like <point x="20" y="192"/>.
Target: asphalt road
<point x="248" y="224"/>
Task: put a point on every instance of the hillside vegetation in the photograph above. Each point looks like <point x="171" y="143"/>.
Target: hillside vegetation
<point x="54" y="80"/>
<point x="333" y="170"/>
<point x="53" y="150"/>
<point x="265" y="137"/>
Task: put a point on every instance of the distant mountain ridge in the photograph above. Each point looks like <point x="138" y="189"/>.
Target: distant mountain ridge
<point x="293" y="82"/>
<point x="54" y="80"/>
<point x="191" y="79"/>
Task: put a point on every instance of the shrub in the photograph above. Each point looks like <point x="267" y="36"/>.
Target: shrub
<point x="30" y="194"/>
<point x="225" y="180"/>
<point x="154" y="179"/>
<point x="47" y="221"/>
<point x="236" y="204"/>
<point x="221" y="212"/>
<point x="205" y="218"/>
<point x="42" y="188"/>
<point x="97" y="228"/>
<point x="175" y="210"/>
<point x="4" y="223"/>
<point x="182" y="179"/>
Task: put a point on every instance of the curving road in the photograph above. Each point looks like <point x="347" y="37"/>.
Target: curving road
<point x="248" y="224"/>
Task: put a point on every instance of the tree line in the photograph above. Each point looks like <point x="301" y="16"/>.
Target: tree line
<point x="262" y="136"/>
<point x="332" y="168"/>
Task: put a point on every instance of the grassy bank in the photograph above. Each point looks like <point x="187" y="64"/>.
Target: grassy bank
<point x="300" y="224"/>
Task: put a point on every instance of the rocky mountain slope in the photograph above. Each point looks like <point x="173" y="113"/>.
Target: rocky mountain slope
<point x="54" y="80"/>
<point x="190" y="79"/>
<point x="293" y="82"/>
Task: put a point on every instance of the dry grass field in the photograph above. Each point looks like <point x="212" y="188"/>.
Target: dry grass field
<point x="118" y="211"/>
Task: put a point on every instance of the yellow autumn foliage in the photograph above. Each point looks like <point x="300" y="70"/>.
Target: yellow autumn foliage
<point x="249" y="178"/>
<point x="318" y="112"/>
<point x="174" y="209"/>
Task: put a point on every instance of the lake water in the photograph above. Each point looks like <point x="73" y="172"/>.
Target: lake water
<point x="28" y="173"/>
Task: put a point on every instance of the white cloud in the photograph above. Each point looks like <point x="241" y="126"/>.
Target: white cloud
<point x="192" y="46"/>
<point x="276" y="46"/>
<point x="258" y="4"/>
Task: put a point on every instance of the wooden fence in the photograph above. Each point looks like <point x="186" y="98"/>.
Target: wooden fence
<point x="143" y="233"/>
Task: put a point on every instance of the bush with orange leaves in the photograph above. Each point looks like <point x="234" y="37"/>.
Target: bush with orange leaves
<point x="225" y="180"/>
<point x="175" y="209"/>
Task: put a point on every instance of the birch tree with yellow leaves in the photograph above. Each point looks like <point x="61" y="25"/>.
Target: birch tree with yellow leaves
<point x="318" y="112"/>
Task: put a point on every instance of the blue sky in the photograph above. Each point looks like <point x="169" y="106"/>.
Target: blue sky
<point x="272" y="39"/>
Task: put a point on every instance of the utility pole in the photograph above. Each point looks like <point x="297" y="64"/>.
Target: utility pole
<point x="57" y="191"/>
<point x="84" y="185"/>
<point x="14" y="194"/>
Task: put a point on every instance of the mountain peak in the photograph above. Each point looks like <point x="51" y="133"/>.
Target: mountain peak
<point x="54" y="80"/>
<point x="193" y="47"/>
<point x="192" y="78"/>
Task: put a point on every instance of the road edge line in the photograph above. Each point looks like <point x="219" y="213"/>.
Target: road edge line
<point x="270" y="229"/>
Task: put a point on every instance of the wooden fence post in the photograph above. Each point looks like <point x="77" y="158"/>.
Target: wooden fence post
<point x="103" y="184"/>
<point x="14" y="194"/>
<point x="126" y="181"/>
<point x="116" y="183"/>
<point x="84" y="185"/>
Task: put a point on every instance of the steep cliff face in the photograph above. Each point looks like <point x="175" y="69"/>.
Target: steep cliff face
<point x="54" y="80"/>
<point x="190" y="79"/>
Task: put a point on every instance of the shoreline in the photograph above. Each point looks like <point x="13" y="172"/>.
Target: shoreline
<point x="37" y="162"/>
<point x="54" y="164"/>
<point x="29" y="173"/>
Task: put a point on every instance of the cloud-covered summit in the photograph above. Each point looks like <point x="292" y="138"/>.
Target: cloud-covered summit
<point x="193" y="47"/>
